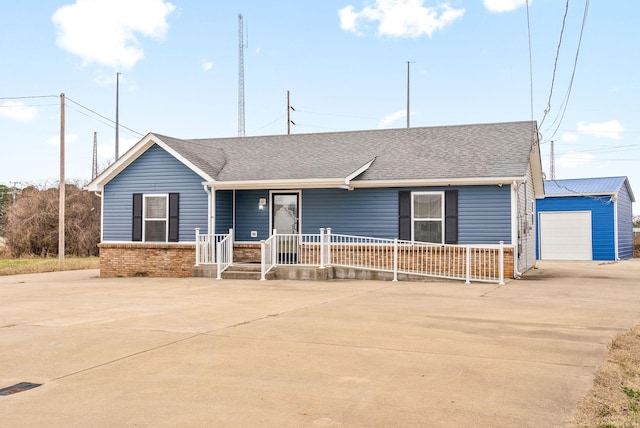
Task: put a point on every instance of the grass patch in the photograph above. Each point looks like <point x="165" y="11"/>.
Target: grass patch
<point x="39" y="265"/>
<point x="614" y="399"/>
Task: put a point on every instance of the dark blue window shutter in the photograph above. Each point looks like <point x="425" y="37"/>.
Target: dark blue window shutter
<point x="451" y="217"/>
<point x="404" y="215"/>
<point x="136" y="230"/>
<point x="174" y="204"/>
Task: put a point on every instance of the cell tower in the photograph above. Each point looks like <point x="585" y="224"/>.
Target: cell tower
<point x="241" y="47"/>
<point x="94" y="165"/>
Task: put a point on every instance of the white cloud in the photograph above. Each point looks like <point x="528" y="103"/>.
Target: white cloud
<point x="393" y="117"/>
<point x="17" y="110"/>
<point x="105" y="31"/>
<point x="68" y="139"/>
<point x="500" y="6"/>
<point x="207" y="65"/>
<point x="574" y="159"/>
<point x="107" y="151"/>
<point x="570" y="137"/>
<point x="399" y="18"/>
<point x="610" y="129"/>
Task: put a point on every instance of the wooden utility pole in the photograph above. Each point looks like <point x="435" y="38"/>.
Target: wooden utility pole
<point x="61" y="188"/>
<point x="117" y="115"/>
<point x="408" y="92"/>
<point x="288" y="115"/>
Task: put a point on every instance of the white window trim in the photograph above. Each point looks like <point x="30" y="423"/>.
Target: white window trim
<point x="145" y="219"/>
<point x="441" y="219"/>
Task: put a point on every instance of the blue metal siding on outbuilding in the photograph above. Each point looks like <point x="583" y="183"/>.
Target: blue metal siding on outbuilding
<point x="625" y="224"/>
<point x="602" y="220"/>
<point x="155" y="171"/>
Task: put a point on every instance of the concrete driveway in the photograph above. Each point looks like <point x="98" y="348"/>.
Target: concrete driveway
<point x="199" y="352"/>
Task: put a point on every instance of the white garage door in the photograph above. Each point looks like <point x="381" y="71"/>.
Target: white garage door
<point x="565" y="235"/>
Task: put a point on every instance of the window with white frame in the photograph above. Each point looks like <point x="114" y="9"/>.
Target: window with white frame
<point x="155" y="218"/>
<point x="427" y="217"/>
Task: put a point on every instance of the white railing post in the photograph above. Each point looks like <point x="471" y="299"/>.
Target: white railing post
<point x="263" y="262"/>
<point x="197" y="246"/>
<point x="322" y="248"/>
<point x="230" y="247"/>
<point x="219" y="259"/>
<point x="274" y="248"/>
<point x="328" y="258"/>
<point x="468" y="270"/>
<point x="501" y="263"/>
<point x="395" y="259"/>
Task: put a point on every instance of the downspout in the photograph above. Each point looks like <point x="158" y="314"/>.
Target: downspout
<point x="211" y="209"/>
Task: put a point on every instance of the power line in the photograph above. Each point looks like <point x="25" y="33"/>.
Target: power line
<point x="555" y="64"/>
<point x="104" y="117"/>
<point x="565" y="102"/>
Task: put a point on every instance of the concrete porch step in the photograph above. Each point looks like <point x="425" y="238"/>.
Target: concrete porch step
<point x="245" y="271"/>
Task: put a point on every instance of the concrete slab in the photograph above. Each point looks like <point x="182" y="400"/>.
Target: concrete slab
<point x="201" y="352"/>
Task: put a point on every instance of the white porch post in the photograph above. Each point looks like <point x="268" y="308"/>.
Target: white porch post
<point x="395" y="259"/>
<point x="328" y="258"/>
<point x="231" y="246"/>
<point x="274" y="248"/>
<point x="197" y="246"/>
<point x="322" y="248"/>
<point x="219" y="259"/>
<point x="263" y="262"/>
<point x="501" y="263"/>
<point x="468" y="270"/>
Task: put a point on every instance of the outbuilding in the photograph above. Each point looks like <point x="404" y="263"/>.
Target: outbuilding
<point x="585" y="219"/>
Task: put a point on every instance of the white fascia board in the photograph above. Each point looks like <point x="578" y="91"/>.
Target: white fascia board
<point x="477" y="181"/>
<point x="307" y="183"/>
<point x="97" y="185"/>
<point x="564" y="195"/>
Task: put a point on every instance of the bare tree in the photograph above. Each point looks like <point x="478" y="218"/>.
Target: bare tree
<point x="32" y="222"/>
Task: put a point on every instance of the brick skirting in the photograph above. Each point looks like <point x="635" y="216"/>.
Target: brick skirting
<point x="166" y="260"/>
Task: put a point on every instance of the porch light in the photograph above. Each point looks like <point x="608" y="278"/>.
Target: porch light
<point x="261" y="203"/>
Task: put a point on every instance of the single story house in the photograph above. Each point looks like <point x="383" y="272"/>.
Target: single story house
<point x="448" y="185"/>
<point x="586" y="219"/>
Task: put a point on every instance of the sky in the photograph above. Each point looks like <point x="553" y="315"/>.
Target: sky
<point x="572" y="66"/>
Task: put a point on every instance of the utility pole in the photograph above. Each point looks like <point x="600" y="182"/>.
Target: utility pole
<point x="552" y="161"/>
<point x="289" y="110"/>
<point x="117" y="114"/>
<point x="408" y="92"/>
<point x="241" y="47"/>
<point x="61" y="190"/>
<point x="94" y="164"/>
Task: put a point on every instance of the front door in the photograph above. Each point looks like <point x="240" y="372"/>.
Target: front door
<point x="284" y="219"/>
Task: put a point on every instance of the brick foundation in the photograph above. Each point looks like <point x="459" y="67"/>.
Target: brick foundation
<point x="245" y="252"/>
<point x="146" y="259"/>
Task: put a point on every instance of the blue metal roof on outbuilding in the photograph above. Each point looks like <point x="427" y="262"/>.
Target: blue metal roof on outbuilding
<point x="586" y="187"/>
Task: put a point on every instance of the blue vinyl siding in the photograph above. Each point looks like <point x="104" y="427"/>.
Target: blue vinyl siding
<point x="249" y="217"/>
<point x="484" y="212"/>
<point x="602" y="223"/>
<point x="155" y="171"/>
<point x="625" y="224"/>
<point x="224" y="211"/>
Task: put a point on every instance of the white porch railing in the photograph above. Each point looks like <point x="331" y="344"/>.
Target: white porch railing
<point x="481" y="263"/>
<point x="214" y="249"/>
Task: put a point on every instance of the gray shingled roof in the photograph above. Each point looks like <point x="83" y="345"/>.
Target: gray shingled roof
<point x="441" y="152"/>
